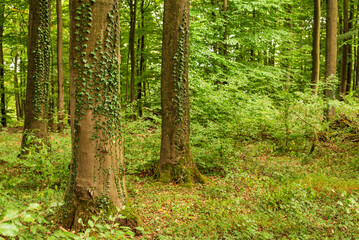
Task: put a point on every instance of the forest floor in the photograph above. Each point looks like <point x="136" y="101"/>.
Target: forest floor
<point x="261" y="193"/>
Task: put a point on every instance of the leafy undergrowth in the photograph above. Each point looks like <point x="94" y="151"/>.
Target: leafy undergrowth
<point x="257" y="191"/>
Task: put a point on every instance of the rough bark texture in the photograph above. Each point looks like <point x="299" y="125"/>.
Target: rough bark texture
<point x="60" y="70"/>
<point x="97" y="180"/>
<point x="2" y="80"/>
<point x="35" y="126"/>
<point x="331" y="52"/>
<point x="316" y="47"/>
<point x="176" y="163"/>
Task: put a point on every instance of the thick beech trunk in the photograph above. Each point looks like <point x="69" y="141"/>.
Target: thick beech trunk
<point x="97" y="179"/>
<point x="176" y="162"/>
<point x="60" y="71"/>
<point x="37" y="89"/>
<point x="316" y="47"/>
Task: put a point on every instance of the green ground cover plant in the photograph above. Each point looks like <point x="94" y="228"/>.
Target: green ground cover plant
<point x="263" y="185"/>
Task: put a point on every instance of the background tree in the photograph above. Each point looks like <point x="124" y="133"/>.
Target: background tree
<point x="331" y="51"/>
<point x="60" y="72"/>
<point x="344" y="61"/>
<point x="37" y="89"/>
<point x="96" y="171"/>
<point x="176" y="163"/>
<point x="316" y="47"/>
<point x="2" y="79"/>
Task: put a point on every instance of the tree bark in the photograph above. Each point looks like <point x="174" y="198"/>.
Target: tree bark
<point x="225" y="33"/>
<point x="316" y="47"/>
<point x="176" y="163"/>
<point x="37" y="89"/>
<point x="22" y="86"/>
<point x="331" y="53"/>
<point x="141" y="68"/>
<point x="344" y="62"/>
<point x="350" y="52"/>
<point x="60" y="71"/>
<point x="2" y="74"/>
<point x="16" y="87"/>
<point x="133" y="11"/>
<point x="97" y="179"/>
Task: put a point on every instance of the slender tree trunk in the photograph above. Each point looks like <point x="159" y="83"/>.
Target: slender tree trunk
<point x="316" y="47"/>
<point x="127" y="73"/>
<point x="37" y="90"/>
<point x="22" y="86"/>
<point x="141" y="82"/>
<point x="2" y="74"/>
<point x="225" y="33"/>
<point x="60" y="71"/>
<point x="97" y="180"/>
<point x="16" y="87"/>
<point x="214" y="17"/>
<point x="350" y="52"/>
<point x="331" y="53"/>
<point x="357" y="67"/>
<point x="176" y="162"/>
<point x="133" y="11"/>
<point x="344" y="62"/>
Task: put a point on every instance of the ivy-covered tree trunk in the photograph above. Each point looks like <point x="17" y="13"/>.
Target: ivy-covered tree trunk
<point x="176" y="162"/>
<point x="2" y="74"/>
<point x="60" y="70"/>
<point x="97" y="179"/>
<point x="316" y="47"/>
<point x="37" y="89"/>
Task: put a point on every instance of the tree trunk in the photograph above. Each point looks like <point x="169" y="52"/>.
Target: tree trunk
<point x="133" y="11"/>
<point x="316" y="47"/>
<point x="142" y="61"/>
<point x="37" y="89"/>
<point x="60" y="71"/>
<point x="357" y="68"/>
<point x="176" y="162"/>
<point x="2" y="74"/>
<point x="225" y="33"/>
<point x="16" y="87"/>
<point x="344" y="63"/>
<point x="22" y="86"/>
<point x="97" y="179"/>
<point x="350" y="52"/>
<point x="331" y="53"/>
